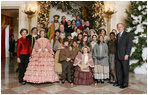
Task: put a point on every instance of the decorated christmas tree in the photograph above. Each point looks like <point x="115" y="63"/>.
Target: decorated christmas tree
<point x="98" y="15"/>
<point x="137" y="25"/>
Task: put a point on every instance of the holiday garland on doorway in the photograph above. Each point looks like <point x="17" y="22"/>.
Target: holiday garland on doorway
<point x="66" y="7"/>
<point x="43" y="15"/>
<point x="98" y="15"/>
<point x="97" y="12"/>
<point x="137" y="25"/>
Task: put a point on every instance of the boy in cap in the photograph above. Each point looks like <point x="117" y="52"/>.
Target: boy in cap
<point x="66" y="59"/>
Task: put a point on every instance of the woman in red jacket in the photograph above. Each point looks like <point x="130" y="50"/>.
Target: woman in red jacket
<point x="23" y="53"/>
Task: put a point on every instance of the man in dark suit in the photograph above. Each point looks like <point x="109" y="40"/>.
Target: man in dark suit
<point x="33" y="37"/>
<point x="124" y="45"/>
<point x="64" y="22"/>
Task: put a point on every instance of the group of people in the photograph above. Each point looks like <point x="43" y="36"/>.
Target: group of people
<point x="73" y="51"/>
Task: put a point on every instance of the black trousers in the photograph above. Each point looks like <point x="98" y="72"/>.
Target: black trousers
<point x="23" y="65"/>
<point x="67" y="70"/>
<point x="122" y="71"/>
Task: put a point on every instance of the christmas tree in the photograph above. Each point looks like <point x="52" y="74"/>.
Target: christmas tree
<point x="137" y="25"/>
<point x="98" y="15"/>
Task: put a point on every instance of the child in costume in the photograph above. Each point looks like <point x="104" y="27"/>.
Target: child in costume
<point x="66" y="59"/>
<point x="83" y="74"/>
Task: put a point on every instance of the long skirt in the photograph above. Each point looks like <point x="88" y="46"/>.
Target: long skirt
<point x="101" y="72"/>
<point x="57" y="66"/>
<point x="41" y="68"/>
<point x="83" y="78"/>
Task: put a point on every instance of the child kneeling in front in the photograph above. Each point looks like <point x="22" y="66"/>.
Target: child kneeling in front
<point x="83" y="74"/>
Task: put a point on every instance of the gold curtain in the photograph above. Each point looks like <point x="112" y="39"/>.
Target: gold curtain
<point x="6" y="20"/>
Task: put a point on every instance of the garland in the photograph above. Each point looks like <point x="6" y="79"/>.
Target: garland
<point x="43" y="15"/>
<point x="98" y="14"/>
<point x="66" y="7"/>
<point x="86" y="14"/>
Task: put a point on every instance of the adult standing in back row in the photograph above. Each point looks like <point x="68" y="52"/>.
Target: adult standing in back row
<point x="124" y="45"/>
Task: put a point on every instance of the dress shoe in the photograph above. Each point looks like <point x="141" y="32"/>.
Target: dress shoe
<point x="123" y="86"/>
<point x="113" y="83"/>
<point x="116" y="85"/>
<point x="110" y="82"/>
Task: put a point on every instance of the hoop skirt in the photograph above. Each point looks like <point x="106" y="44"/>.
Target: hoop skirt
<point x="41" y="64"/>
<point x="83" y="76"/>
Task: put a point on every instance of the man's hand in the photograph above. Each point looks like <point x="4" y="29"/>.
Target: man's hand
<point x="126" y="57"/>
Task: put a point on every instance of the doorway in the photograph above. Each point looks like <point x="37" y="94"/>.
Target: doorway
<point x="9" y="23"/>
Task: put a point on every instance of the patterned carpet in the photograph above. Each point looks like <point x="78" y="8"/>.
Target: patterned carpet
<point x="10" y="85"/>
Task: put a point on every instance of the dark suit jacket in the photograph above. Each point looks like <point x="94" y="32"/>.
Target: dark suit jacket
<point x="124" y="45"/>
<point x="30" y="39"/>
<point x="69" y="29"/>
<point x="65" y="25"/>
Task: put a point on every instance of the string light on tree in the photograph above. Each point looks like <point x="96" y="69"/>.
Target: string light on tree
<point x="137" y="25"/>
